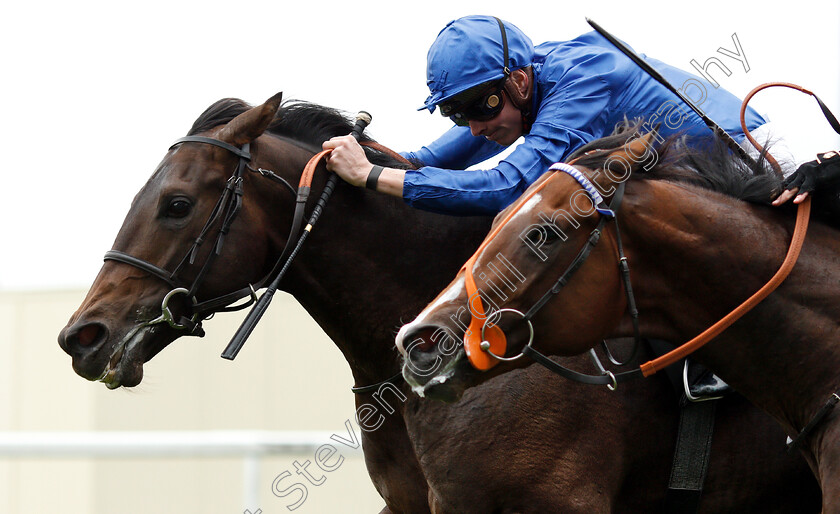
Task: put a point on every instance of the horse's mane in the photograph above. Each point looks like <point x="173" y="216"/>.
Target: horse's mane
<point x="705" y="162"/>
<point x="307" y="123"/>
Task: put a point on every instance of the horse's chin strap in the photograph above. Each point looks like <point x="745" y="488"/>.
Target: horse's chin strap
<point x="396" y="379"/>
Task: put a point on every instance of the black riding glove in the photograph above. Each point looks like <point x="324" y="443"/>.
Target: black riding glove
<point x="812" y="175"/>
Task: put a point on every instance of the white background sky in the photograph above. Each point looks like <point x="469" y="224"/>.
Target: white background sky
<point x="94" y="92"/>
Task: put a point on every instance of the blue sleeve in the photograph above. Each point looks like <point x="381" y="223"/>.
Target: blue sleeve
<point x="480" y="192"/>
<point x="456" y="149"/>
<point x="572" y="112"/>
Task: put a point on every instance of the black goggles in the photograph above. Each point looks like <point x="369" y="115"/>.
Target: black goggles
<point x="481" y="106"/>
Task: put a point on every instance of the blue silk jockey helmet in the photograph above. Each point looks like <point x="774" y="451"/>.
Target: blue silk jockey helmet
<point x="470" y="51"/>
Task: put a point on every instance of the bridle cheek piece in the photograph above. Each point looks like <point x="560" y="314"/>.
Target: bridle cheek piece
<point x="485" y="348"/>
<point x="226" y="210"/>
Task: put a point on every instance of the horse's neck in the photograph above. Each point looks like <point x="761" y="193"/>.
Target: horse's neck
<point x="372" y="267"/>
<point x="371" y="264"/>
<point x="695" y="256"/>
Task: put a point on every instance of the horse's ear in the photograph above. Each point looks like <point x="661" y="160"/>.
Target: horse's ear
<point x="250" y="124"/>
<point x="636" y="153"/>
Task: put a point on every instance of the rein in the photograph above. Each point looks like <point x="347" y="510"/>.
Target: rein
<point x="802" y="216"/>
<point x="484" y="348"/>
<point x="800" y="229"/>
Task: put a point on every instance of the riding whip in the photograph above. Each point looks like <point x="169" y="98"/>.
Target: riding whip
<point x="644" y="65"/>
<point x="256" y="313"/>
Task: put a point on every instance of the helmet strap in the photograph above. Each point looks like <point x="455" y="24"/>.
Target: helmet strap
<point x="505" y="63"/>
<point x="522" y="101"/>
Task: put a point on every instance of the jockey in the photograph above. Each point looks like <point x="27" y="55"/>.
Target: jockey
<point x="496" y="86"/>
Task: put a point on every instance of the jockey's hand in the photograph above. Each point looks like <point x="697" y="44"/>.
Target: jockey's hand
<point x="348" y="160"/>
<point x="812" y="175"/>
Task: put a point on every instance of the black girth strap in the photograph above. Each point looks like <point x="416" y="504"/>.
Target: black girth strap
<point x="691" y="456"/>
<point x="694" y="441"/>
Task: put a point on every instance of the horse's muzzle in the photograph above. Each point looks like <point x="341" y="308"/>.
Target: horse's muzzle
<point x="83" y="341"/>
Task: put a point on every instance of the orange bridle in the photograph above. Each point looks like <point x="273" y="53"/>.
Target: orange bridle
<point x="479" y="358"/>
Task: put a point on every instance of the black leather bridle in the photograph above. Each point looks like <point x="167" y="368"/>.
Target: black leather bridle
<point x="608" y="214"/>
<point x="224" y="213"/>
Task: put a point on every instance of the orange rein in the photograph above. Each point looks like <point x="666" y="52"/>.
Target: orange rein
<point x="309" y="169"/>
<point x="799" y="231"/>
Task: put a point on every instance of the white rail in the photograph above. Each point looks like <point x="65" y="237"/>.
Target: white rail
<point x="251" y="446"/>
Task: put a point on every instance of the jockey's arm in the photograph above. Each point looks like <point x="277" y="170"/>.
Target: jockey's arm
<point x="348" y="161"/>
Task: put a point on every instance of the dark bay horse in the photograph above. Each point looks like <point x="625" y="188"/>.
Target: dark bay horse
<point x="522" y="443"/>
<point x="696" y="250"/>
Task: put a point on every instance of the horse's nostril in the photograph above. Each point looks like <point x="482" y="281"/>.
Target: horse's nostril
<point x="426" y="339"/>
<point x="422" y="344"/>
<point x="88" y="334"/>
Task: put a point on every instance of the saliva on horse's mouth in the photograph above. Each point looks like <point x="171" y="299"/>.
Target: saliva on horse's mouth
<point x="420" y="390"/>
<point x="438" y="380"/>
<point x="125" y="346"/>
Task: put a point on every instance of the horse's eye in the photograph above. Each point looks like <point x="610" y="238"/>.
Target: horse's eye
<point x="551" y="233"/>
<point x="178" y="208"/>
